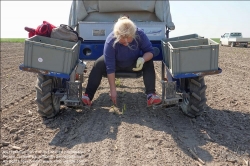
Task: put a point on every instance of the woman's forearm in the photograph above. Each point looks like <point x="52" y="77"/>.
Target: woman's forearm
<point x="147" y="56"/>
<point x="111" y="79"/>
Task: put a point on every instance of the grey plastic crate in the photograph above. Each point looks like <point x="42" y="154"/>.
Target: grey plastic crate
<point x="192" y="55"/>
<point x="51" y="54"/>
<point x="164" y="43"/>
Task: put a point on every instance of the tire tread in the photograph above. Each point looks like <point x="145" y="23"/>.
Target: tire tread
<point x="197" y="98"/>
<point x="47" y="104"/>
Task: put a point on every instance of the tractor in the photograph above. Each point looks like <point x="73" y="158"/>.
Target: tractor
<point x="185" y="60"/>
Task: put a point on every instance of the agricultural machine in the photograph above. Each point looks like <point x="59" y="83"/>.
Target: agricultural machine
<point x="185" y="60"/>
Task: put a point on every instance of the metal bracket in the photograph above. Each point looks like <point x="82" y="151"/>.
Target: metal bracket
<point x="80" y="67"/>
<point x="73" y="90"/>
<point x="168" y="89"/>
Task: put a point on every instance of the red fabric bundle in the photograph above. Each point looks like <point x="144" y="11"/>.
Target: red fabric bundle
<point x="43" y="30"/>
<point x="32" y="31"/>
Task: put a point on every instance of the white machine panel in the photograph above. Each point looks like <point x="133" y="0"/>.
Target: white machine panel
<point x="100" y="30"/>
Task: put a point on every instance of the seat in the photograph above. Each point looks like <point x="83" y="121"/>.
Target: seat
<point x="121" y="74"/>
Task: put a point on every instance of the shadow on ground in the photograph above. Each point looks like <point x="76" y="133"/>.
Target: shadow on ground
<point x="230" y="129"/>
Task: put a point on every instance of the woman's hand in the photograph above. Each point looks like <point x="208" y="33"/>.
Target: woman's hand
<point x="139" y="64"/>
<point x="113" y="95"/>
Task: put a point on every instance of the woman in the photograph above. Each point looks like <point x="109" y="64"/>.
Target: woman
<point x="122" y="53"/>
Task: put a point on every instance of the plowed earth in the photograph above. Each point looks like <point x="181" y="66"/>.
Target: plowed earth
<point x="135" y="135"/>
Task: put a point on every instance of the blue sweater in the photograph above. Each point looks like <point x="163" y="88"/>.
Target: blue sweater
<point x="123" y="56"/>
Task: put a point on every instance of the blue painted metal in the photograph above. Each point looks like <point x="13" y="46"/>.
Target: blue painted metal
<point x="192" y="74"/>
<point x="197" y="74"/>
<point x="177" y="77"/>
<point x="44" y="72"/>
<point x="60" y="75"/>
<point x="92" y="50"/>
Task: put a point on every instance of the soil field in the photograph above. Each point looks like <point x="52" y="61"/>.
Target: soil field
<point x="107" y="136"/>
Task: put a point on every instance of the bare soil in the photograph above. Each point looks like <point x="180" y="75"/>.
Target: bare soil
<point x="129" y="134"/>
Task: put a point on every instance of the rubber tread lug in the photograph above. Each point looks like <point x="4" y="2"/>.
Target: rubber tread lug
<point x="196" y="96"/>
<point x="45" y="97"/>
<point x="203" y="89"/>
<point x="40" y="76"/>
<point x="47" y="109"/>
<point x="200" y="78"/>
<point x="194" y="108"/>
<point x="196" y="82"/>
<point x="41" y="113"/>
<point x="202" y="103"/>
<point x="39" y="89"/>
<point x="39" y="104"/>
<point x="46" y="83"/>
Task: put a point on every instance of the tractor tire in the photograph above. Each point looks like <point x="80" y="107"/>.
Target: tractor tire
<point x="48" y="105"/>
<point x="196" y="100"/>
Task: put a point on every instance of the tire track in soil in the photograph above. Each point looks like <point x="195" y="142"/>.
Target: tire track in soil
<point x="124" y="130"/>
<point x="16" y="94"/>
<point x="234" y="100"/>
<point x="13" y="105"/>
<point x="234" y="69"/>
<point x="15" y="83"/>
<point x="9" y="71"/>
<point x="16" y="58"/>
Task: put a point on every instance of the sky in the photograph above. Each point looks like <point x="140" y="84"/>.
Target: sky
<point x="206" y="18"/>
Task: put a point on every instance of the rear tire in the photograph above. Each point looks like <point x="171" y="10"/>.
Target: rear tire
<point x="48" y="105"/>
<point x="194" y="104"/>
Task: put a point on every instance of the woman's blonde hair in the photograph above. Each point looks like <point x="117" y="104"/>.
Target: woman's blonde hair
<point x="124" y="28"/>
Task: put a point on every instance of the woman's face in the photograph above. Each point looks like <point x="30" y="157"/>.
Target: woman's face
<point x="125" y="41"/>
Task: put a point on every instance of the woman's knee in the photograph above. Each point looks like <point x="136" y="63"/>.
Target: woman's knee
<point x="99" y="63"/>
<point x="149" y="64"/>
